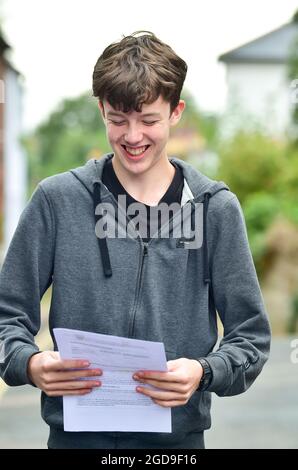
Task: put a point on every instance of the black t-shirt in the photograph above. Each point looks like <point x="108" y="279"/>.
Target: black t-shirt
<point x="173" y="193"/>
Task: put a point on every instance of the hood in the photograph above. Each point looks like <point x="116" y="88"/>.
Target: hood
<point x="197" y="188"/>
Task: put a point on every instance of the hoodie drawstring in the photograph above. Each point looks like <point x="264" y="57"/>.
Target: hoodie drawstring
<point x="102" y="242"/>
<point x="207" y="279"/>
<point x="207" y="195"/>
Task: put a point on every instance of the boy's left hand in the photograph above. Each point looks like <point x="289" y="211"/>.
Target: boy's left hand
<point x="176" y="386"/>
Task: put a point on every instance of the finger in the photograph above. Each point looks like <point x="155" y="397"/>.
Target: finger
<point x="64" y="364"/>
<point x="72" y="375"/>
<point x="173" y="386"/>
<point x="163" y="396"/>
<point x="160" y="376"/>
<point x="59" y="393"/>
<point x="72" y="385"/>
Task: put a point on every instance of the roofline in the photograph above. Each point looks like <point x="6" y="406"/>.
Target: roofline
<point x="225" y="56"/>
<point x="254" y="60"/>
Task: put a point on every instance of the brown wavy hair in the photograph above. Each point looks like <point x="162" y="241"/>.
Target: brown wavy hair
<point x="136" y="71"/>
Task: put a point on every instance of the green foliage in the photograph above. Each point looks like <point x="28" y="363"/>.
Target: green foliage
<point x="295" y="17"/>
<point x="206" y="124"/>
<point x="293" y="320"/>
<point x="292" y="72"/>
<point x="260" y="209"/>
<point x="263" y="173"/>
<point x="250" y="163"/>
<point x="289" y="184"/>
<point x="66" y="139"/>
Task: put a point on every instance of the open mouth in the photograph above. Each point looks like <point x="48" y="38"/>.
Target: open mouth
<point x="136" y="152"/>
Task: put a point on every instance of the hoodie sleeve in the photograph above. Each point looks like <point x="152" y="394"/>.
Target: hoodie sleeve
<point x="237" y="297"/>
<point x="25" y="276"/>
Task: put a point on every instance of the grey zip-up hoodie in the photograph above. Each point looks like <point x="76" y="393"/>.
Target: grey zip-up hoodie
<point x="158" y="291"/>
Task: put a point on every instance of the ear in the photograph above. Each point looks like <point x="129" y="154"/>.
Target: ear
<point x="177" y="113"/>
<point x="102" y="110"/>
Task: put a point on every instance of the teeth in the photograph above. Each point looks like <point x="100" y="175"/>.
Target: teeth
<point x="135" y="151"/>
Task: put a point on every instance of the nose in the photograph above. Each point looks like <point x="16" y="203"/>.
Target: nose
<point x="133" y="135"/>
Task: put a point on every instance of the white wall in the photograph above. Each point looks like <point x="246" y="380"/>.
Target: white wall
<point x="262" y="91"/>
<point x="15" y="167"/>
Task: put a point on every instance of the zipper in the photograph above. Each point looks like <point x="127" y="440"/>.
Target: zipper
<point x="145" y="252"/>
<point x="144" y="246"/>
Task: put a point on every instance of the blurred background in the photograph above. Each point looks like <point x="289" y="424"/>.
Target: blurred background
<point x="240" y="125"/>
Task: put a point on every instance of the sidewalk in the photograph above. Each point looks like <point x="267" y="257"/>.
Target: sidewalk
<point x="266" y="416"/>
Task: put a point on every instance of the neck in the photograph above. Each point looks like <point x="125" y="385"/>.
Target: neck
<point x="149" y="186"/>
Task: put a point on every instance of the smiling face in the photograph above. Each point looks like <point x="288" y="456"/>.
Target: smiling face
<point x="139" y="139"/>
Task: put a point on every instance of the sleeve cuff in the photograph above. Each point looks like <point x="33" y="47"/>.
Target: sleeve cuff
<point x="20" y="365"/>
<point x="220" y="373"/>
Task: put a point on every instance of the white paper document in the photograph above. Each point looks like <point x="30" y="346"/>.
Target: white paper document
<point x="115" y="405"/>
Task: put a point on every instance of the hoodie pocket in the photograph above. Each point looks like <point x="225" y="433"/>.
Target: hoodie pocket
<point x="197" y="410"/>
<point x="193" y="405"/>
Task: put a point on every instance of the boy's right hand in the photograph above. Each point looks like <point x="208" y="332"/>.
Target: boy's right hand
<point x="53" y="376"/>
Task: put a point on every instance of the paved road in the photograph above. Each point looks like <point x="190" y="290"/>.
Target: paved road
<point x="266" y="416"/>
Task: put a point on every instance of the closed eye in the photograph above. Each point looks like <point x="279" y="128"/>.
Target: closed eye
<point x="118" y="123"/>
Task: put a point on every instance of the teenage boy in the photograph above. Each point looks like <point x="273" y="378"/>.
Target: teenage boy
<point x="149" y="287"/>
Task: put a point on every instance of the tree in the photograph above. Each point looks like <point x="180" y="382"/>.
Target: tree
<point x="73" y="133"/>
<point x="292" y="66"/>
<point x="205" y="124"/>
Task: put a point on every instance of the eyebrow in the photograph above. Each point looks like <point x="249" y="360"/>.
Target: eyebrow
<point x="113" y="113"/>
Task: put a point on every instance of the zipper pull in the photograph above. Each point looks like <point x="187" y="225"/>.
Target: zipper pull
<point x="145" y="249"/>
